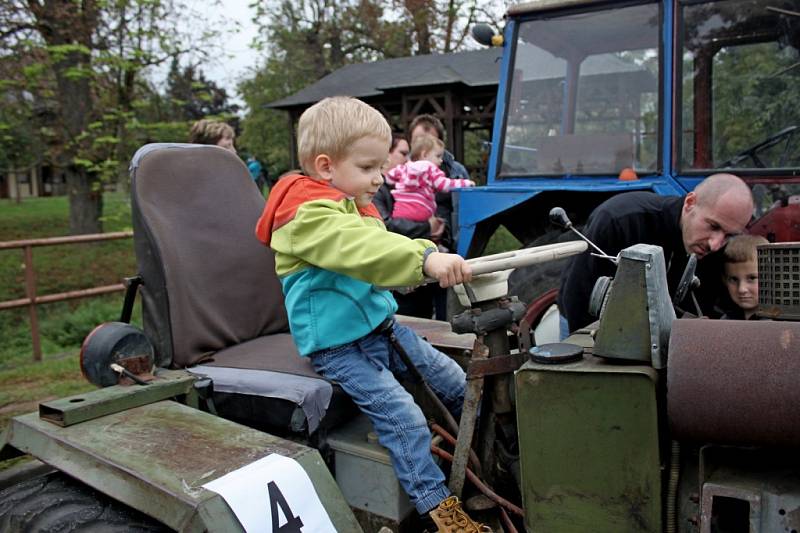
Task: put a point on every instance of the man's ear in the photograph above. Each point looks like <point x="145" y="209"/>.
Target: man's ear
<point x="323" y="167"/>
<point x="689" y="202"/>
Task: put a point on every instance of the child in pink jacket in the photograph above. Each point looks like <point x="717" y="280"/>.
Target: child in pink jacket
<point x="417" y="182"/>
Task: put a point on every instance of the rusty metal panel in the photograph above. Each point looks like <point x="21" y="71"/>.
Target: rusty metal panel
<point x="749" y="490"/>
<point x="501" y="364"/>
<point x="156" y="457"/>
<point x="734" y="382"/>
<point x="438" y="333"/>
<point x="100" y="402"/>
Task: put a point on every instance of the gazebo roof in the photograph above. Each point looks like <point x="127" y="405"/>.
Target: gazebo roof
<point x="474" y="69"/>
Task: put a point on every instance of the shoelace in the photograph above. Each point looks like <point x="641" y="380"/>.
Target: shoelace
<point x="452" y="514"/>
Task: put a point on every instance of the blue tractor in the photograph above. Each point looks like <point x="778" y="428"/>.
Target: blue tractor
<point x="597" y="98"/>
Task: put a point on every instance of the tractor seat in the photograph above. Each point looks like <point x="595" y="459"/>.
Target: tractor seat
<point x="211" y="301"/>
<point x="297" y="398"/>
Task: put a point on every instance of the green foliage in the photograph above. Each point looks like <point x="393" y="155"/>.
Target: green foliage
<point x="265" y="132"/>
<point x="501" y="241"/>
<point x="191" y="96"/>
<point x="33" y="71"/>
<point x="755" y="96"/>
<point x="307" y="39"/>
<point x="77" y="73"/>
<point x="68" y="329"/>
<point x="79" y="96"/>
<point x="59" y="52"/>
<point x="755" y="87"/>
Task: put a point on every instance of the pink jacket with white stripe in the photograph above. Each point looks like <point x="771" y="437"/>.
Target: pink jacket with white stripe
<point x="415" y="185"/>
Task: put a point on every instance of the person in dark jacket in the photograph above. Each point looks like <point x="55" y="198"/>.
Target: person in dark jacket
<point x="700" y="223"/>
<point x="446" y="203"/>
<point x="419" y="302"/>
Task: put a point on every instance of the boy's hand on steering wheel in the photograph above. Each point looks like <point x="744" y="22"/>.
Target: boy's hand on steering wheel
<point x="448" y="269"/>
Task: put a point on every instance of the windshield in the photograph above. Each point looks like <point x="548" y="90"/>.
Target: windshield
<point x="740" y="98"/>
<point x="584" y="94"/>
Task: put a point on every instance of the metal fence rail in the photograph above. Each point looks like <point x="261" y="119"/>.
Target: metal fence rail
<point x="32" y="299"/>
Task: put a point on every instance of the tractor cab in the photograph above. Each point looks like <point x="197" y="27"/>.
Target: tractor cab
<point x="598" y="98"/>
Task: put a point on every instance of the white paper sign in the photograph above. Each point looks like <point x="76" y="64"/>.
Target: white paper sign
<point x="273" y="495"/>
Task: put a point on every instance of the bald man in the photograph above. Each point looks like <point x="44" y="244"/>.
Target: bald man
<point x="700" y="222"/>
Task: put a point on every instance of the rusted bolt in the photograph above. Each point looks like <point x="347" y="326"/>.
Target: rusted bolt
<point x="694" y="520"/>
<point x="694" y="497"/>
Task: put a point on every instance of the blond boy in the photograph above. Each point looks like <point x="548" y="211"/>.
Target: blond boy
<point x="332" y="253"/>
<point x="741" y="275"/>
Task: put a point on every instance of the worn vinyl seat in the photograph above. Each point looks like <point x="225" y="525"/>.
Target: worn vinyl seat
<point x="211" y="300"/>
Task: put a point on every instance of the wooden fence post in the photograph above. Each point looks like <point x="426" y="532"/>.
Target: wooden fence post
<point x="30" y="289"/>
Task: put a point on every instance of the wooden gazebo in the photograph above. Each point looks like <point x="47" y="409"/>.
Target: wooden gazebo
<point x="459" y="88"/>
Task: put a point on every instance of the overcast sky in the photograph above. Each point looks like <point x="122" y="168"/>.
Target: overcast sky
<point x="234" y="18"/>
<point x="239" y="59"/>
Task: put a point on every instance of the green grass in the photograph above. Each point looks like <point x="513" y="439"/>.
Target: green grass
<point x="63" y="267"/>
<point x="63" y="325"/>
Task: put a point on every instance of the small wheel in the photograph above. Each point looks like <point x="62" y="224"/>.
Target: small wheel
<point x="56" y="502"/>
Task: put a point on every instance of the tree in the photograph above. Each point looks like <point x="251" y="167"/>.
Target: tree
<point x="67" y="29"/>
<point x="192" y="96"/>
<point x="88" y="77"/>
<point x="21" y="117"/>
<point x="305" y="40"/>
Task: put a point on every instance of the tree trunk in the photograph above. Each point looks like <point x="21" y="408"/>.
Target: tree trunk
<point x="421" y="14"/>
<point x="85" y="202"/>
<point x="452" y="13"/>
<point x="73" y="23"/>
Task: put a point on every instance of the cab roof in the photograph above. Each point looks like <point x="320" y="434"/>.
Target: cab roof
<point x="534" y="6"/>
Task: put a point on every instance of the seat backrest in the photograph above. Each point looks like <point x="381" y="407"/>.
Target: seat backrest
<point x="208" y="283"/>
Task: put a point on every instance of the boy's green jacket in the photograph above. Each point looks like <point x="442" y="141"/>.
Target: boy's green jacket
<point x="330" y="256"/>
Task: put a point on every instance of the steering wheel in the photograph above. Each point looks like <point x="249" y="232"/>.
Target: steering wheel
<point x="688" y="282"/>
<point x="752" y="152"/>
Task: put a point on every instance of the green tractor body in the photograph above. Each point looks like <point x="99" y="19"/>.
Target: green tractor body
<point x="653" y="424"/>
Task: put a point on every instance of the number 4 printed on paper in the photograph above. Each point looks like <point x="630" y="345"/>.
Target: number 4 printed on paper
<point x="289" y="490"/>
<point x="276" y="499"/>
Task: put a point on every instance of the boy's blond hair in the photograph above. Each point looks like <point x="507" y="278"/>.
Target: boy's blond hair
<point x="424" y="144"/>
<point x="742" y="248"/>
<point x="207" y="131"/>
<point x="333" y="124"/>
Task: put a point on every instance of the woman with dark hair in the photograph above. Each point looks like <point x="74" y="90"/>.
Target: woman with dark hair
<point x="420" y="302"/>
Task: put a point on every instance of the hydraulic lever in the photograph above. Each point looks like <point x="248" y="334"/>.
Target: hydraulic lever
<point x="559" y="218"/>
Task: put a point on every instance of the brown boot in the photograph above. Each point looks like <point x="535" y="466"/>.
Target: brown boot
<point x="449" y="517"/>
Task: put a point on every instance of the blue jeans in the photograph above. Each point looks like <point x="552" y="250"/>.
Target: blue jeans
<point x="366" y="369"/>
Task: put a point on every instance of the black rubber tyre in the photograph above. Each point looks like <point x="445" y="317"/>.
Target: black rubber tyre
<point x="57" y="503"/>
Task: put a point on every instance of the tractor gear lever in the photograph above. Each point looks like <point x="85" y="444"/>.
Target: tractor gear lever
<point x="559" y="218"/>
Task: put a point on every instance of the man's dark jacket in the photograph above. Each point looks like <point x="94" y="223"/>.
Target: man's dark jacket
<point x="621" y="221"/>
